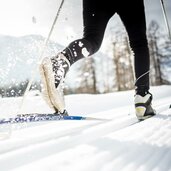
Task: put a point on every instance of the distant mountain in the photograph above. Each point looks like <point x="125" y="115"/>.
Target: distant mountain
<point x="19" y="56"/>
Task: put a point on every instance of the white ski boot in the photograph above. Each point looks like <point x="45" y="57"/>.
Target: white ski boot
<point x="53" y="71"/>
<point x="143" y="108"/>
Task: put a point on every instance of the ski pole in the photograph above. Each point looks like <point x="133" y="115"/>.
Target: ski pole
<point x="41" y="55"/>
<point x="165" y="18"/>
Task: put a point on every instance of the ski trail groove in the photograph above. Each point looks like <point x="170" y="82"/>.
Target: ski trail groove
<point x="45" y="146"/>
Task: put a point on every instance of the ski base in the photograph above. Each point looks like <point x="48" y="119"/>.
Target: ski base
<point x="37" y="117"/>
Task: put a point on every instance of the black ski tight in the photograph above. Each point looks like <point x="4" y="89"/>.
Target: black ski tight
<point x="96" y="15"/>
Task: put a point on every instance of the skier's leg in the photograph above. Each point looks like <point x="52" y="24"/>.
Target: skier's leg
<point x="133" y="18"/>
<point x="95" y="19"/>
<point x="135" y="23"/>
<point x="55" y="68"/>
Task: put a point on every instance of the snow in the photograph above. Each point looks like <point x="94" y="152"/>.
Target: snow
<point x="117" y="142"/>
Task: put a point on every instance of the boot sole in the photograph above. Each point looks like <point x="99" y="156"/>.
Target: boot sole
<point x="55" y="95"/>
<point x="45" y="88"/>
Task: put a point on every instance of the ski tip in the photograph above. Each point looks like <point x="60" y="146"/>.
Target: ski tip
<point x="82" y="118"/>
<point x="96" y="119"/>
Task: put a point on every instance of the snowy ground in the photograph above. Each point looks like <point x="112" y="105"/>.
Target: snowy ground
<point x="117" y="144"/>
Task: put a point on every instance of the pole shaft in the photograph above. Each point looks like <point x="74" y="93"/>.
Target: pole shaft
<point x="165" y="18"/>
<point x="41" y="55"/>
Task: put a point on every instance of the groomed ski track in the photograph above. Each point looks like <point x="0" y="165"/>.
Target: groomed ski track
<point x="119" y="142"/>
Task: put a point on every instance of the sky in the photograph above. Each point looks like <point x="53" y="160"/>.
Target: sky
<point x="21" y="17"/>
<point x="17" y="18"/>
